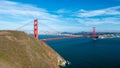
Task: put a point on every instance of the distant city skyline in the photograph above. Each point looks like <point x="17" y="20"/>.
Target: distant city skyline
<point x="61" y="15"/>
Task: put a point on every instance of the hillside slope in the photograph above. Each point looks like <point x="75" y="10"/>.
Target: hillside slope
<point x="18" y="50"/>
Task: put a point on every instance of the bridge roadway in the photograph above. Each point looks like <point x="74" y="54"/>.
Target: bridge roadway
<point x="60" y="38"/>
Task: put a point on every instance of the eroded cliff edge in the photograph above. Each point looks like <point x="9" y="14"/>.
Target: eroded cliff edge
<point x="18" y="50"/>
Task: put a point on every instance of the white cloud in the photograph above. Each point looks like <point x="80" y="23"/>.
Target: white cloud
<point x="92" y="13"/>
<point x="19" y="12"/>
<point x="60" y="11"/>
<point x="99" y="17"/>
<point x="24" y="11"/>
<point x="99" y="21"/>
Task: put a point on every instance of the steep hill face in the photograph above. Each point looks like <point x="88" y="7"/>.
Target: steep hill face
<point x="18" y="50"/>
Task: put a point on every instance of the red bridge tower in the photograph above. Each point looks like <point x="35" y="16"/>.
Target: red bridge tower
<point x="36" y="28"/>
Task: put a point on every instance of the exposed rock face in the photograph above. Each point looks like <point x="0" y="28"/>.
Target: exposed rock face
<point x="18" y="50"/>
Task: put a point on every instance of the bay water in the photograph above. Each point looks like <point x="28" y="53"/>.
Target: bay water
<point x="86" y="52"/>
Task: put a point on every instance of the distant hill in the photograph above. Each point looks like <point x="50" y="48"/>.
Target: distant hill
<point x="18" y="50"/>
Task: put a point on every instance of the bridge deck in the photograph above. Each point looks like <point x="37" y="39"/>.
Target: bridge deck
<point x="48" y="39"/>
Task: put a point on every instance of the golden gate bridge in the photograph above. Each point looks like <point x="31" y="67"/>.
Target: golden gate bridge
<point x="65" y="36"/>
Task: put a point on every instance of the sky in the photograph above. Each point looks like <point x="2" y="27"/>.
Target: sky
<point x="61" y="15"/>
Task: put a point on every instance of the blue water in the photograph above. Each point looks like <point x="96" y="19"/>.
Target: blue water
<point x="88" y="53"/>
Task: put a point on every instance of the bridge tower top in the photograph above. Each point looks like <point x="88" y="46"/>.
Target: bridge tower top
<point x="36" y="28"/>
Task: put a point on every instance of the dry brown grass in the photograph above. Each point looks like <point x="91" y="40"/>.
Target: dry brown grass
<point x="18" y="50"/>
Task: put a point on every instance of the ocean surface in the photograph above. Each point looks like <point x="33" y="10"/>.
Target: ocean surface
<point x="86" y="52"/>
